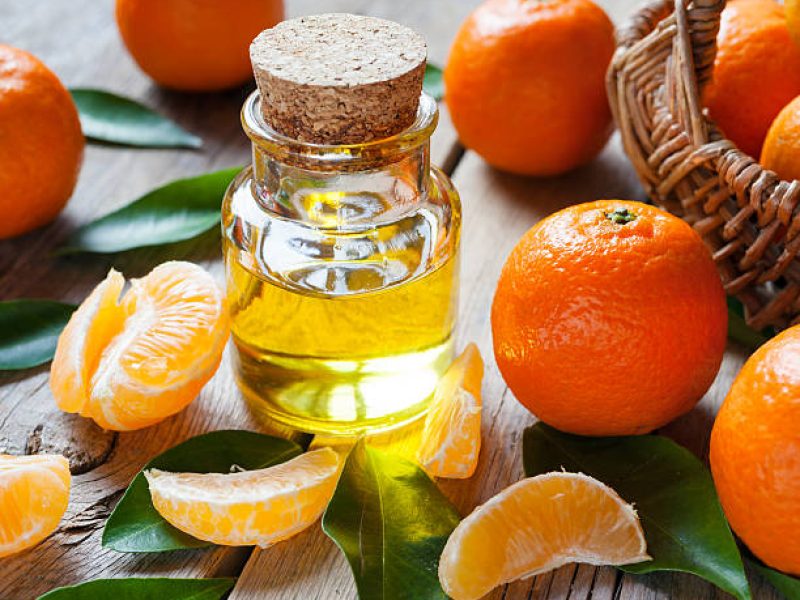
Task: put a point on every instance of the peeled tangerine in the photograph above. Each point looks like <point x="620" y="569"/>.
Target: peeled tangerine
<point x="34" y="492"/>
<point x="536" y="525"/>
<point x="451" y="437"/>
<point x="258" y="507"/>
<point x="133" y="361"/>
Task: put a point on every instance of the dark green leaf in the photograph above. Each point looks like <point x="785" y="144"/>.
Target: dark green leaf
<point x="739" y="331"/>
<point x="107" y="117"/>
<point x="433" y="83"/>
<point x="175" y="212"/>
<point x="29" y="330"/>
<point x="136" y="526"/>
<point x="786" y="584"/>
<point x="391" y="522"/>
<point x="144" y="588"/>
<point x="672" y="491"/>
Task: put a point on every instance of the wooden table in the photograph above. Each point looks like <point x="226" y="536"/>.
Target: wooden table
<point x="79" y="41"/>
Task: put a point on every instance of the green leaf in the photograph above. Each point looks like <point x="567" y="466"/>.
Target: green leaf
<point x="175" y="212"/>
<point x="786" y="584"/>
<point x="433" y="83"/>
<point x="136" y="526"/>
<point x="144" y="588"/>
<point x="391" y="522"/>
<point x="671" y="490"/>
<point x="29" y="330"/>
<point x="739" y="331"/>
<point x="107" y="117"/>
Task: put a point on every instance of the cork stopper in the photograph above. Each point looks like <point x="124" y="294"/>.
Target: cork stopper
<point x="339" y="78"/>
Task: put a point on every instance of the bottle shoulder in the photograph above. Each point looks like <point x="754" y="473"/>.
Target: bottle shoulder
<point x="318" y="253"/>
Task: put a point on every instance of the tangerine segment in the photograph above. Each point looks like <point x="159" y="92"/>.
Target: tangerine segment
<point x="81" y="343"/>
<point x="536" y="525"/>
<point x="157" y="348"/>
<point x="34" y="492"/>
<point x="451" y="437"/>
<point x="260" y="507"/>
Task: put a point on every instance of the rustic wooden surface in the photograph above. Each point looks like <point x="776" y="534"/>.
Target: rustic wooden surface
<point x="78" y="40"/>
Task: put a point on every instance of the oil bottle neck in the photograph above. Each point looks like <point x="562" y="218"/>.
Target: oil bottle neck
<point x="341" y="186"/>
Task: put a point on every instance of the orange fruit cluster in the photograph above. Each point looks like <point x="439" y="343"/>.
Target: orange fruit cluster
<point x="41" y="143"/>
<point x="781" y="149"/>
<point x="525" y="84"/>
<point x="755" y="453"/>
<point x="129" y="363"/>
<point x="609" y="319"/>
<point x="756" y="72"/>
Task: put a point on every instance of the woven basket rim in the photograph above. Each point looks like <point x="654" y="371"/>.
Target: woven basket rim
<point x="665" y="54"/>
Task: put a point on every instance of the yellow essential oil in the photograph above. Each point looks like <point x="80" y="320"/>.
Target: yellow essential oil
<point x="342" y="362"/>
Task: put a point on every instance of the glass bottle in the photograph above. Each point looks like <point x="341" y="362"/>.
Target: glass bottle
<point x="342" y="276"/>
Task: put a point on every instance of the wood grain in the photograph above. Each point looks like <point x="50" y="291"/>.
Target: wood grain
<point x="79" y="41"/>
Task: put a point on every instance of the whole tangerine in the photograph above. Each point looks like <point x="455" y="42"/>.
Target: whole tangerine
<point x="41" y="143"/>
<point x="756" y="71"/>
<point x="525" y="83"/>
<point x="609" y="318"/>
<point x="755" y="453"/>
<point x="781" y="151"/>
<point x="195" y="45"/>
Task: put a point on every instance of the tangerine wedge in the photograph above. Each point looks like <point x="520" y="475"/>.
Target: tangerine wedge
<point x="129" y="363"/>
<point x="133" y="361"/>
<point x="536" y="525"/>
<point x="81" y="343"/>
<point x="34" y="492"/>
<point x="260" y="507"/>
<point x="451" y="436"/>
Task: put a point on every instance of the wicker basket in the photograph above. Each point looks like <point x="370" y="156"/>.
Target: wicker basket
<point x="747" y="215"/>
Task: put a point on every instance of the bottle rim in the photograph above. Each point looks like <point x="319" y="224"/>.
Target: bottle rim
<point x="338" y="156"/>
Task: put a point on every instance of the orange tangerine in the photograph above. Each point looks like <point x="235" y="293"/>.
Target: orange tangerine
<point x="755" y="453"/>
<point x="260" y="507"/>
<point x="34" y="492"/>
<point x="525" y="83"/>
<point x="41" y="143"/>
<point x="781" y="151"/>
<point x="586" y="294"/>
<point x="536" y="525"/>
<point x="131" y="362"/>
<point x="195" y="45"/>
<point x="451" y="437"/>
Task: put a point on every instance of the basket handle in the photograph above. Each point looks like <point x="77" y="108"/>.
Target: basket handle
<point x="698" y="23"/>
